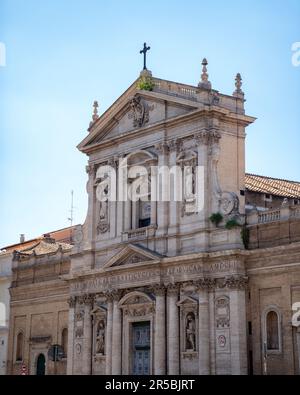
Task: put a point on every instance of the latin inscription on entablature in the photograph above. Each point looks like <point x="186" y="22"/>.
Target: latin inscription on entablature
<point x="103" y="283"/>
<point x="136" y="278"/>
<point x="224" y="266"/>
<point x="155" y="275"/>
<point x="183" y="269"/>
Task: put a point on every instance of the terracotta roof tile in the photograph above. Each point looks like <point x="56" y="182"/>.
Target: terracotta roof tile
<point x="272" y="186"/>
<point x="61" y="235"/>
<point x="43" y="247"/>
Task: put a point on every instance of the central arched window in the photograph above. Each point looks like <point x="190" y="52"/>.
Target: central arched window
<point x="138" y="209"/>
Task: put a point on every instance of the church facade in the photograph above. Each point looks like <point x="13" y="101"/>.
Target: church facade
<point x="168" y="286"/>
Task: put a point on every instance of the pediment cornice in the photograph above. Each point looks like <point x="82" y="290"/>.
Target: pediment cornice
<point x="131" y="255"/>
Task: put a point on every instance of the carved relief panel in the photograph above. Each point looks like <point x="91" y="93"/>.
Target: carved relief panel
<point x="139" y="111"/>
<point x="222" y="317"/>
<point x="79" y="321"/>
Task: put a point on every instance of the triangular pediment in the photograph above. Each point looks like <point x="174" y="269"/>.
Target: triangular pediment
<point x="187" y="300"/>
<point x="132" y="255"/>
<point x="134" y="111"/>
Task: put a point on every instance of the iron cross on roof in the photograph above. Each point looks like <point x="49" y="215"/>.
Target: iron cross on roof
<point x="144" y="51"/>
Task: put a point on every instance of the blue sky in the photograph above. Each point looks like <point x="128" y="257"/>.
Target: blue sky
<point x="62" y="55"/>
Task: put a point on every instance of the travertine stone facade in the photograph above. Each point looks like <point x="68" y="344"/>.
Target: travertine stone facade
<point x="179" y="281"/>
<point x="39" y="312"/>
<point x="5" y="281"/>
<point x="157" y="287"/>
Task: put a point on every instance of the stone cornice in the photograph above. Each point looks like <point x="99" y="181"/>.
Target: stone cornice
<point x="37" y="300"/>
<point x="168" y="259"/>
<point x="162" y="265"/>
<point x="205" y="110"/>
<point x="271" y="251"/>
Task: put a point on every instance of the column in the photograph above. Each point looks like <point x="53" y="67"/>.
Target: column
<point x="298" y="346"/>
<point x="175" y="197"/>
<point x="153" y="196"/>
<point x="109" y="326"/>
<point x="204" y="349"/>
<point x="175" y="187"/>
<point x="202" y="139"/>
<point x="162" y="187"/>
<point x="127" y="215"/>
<point x="134" y="221"/>
<point x="214" y="154"/>
<point x="87" y="333"/>
<point x="173" y="331"/>
<point x="160" y="332"/>
<point x="113" y="204"/>
<point x="92" y="202"/>
<point x="212" y="341"/>
<point x="238" y="335"/>
<point x="72" y="304"/>
<point x="119" y="203"/>
<point x="116" y="338"/>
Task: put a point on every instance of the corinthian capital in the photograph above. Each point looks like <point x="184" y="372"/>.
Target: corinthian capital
<point x="90" y="169"/>
<point x="72" y="302"/>
<point x="162" y="148"/>
<point x="234" y="282"/>
<point x="114" y="295"/>
<point x="173" y="289"/>
<point x="159" y="290"/>
<point x="214" y="136"/>
<point x="87" y="299"/>
<point x="205" y="283"/>
<point x="202" y="137"/>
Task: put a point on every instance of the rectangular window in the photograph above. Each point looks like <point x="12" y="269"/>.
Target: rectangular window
<point x="268" y="197"/>
<point x="249" y="327"/>
<point x="144" y="222"/>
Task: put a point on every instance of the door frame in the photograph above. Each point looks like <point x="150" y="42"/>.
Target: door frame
<point x="133" y="351"/>
<point x="36" y="363"/>
<point x="127" y="349"/>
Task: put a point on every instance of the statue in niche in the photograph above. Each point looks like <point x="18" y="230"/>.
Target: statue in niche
<point x="100" y="338"/>
<point x="103" y="224"/>
<point x="190" y="332"/>
<point x="189" y="184"/>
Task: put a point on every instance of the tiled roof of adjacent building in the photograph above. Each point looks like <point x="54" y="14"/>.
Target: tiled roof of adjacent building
<point x="272" y="186"/>
<point x="45" y="246"/>
<point x="61" y="235"/>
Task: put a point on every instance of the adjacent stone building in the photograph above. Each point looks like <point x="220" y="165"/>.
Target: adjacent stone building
<point x="168" y="287"/>
<point x="38" y="302"/>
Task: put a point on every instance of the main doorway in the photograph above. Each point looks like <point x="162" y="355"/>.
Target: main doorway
<point x="141" y="348"/>
<point x="41" y="365"/>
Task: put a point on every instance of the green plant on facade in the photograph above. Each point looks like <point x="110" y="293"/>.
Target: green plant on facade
<point x="145" y="84"/>
<point x="216" y="218"/>
<point x="245" y="235"/>
<point x="232" y="223"/>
